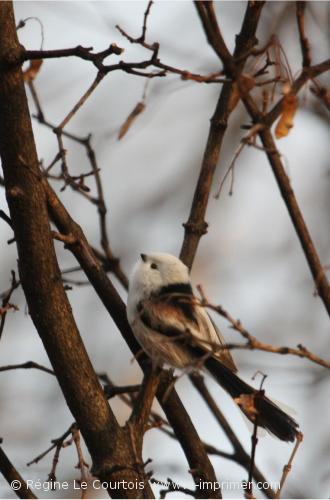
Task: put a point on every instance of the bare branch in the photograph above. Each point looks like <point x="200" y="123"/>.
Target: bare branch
<point x="82" y="465"/>
<point x="283" y="181"/>
<point x="305" y="75"/>
<point x="79" y="51"/>
<point x="41" y="278"/>
<point x="27" y="365"/>
<point x="253" y="343"/>
<point x="254" y="437"/>
<point x="288" y="466"/>
<point x="172" y="487"/>
<point x="177" y="416"/>
<point x="112" y="390"/>
<point x="239" y="455"/>
<point x="196" y="226"/>
<point x="7" y="219"/>
<point x="55" y="443"/>
<point x="309" y="249"/>
<point x="143" y="402"/>
<point x="6" y="298"/>
<point x="304" y="42"/>
<point x="145" y="18"/>
<point x="248" y="139"/>
<point x="13" y="477"/>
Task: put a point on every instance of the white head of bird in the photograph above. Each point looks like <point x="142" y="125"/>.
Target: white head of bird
<point x="155" y="271"/>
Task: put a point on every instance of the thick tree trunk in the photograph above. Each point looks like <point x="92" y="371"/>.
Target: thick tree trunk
<point x="108" y="443"/>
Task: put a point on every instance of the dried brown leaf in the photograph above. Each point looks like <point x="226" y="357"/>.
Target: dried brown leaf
<point x="31" y="72"/>
<point x="285" y="122"/>
<point x="7" y="307"/>
<point x="247" y="404"/>
<point x="139" y="108"/>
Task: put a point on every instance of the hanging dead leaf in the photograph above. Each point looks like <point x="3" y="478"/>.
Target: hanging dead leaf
<point x="139" y="108"/>
<point x="285" y="123"/>
<point x="5" y="309"/>
<point x="31" y="72"/>
<point x="247" y="404"/>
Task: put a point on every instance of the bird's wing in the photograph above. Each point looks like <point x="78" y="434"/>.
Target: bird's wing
<point x="208" y="329"/>
<point x="172" y="317"/>
<point x="180" y="317"/>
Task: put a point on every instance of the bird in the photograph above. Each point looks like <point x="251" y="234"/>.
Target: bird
<point x="173" y="328"/>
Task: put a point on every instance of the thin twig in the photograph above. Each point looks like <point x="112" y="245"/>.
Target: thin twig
<point x="252" y="343"/>
<point x="82" y="465"/>
<point x="6" y="218"/>
<point x="111" y="390"/>
<point x="171" y="486"/>
<point x="208" y="20"/>
<point x="248" y="139"/>
<point x="55" y="442"/>
<point x="110" y="262"/>
<point x="254" y="439"/>
<point x="99" y="77"/>
<point x="52" y="474"/>
<point x="6" y="298"/>
<point x="79" y="51"/>
<point x="145" y="18"/>
<point x="68" y="179"/>
<point x="27" y="365"/>
<point x="230" y="169"/>
<point x="22" y="24"/>
<point x="288" y="466"/>
<point x="239" y="454"/>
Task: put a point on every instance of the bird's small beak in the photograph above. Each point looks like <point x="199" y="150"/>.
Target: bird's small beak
<point x="143" y="257"/>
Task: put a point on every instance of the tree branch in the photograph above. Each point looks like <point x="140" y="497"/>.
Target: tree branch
<point x="172" y="406"/>
<point x="239" y="455"/>
<point x="309" y="249"/>
<point x="41" y="279"/>
<point x="283" y="181"/>
<point x="196" y="226"/>
<point x="253" y="343"/>
<point x="304" y="42"/>
<point x="6" y="298"/>
<point x="79" y="51"/>
<point x="307" y="73"/>
<point x="13" y="478"/>
<point x="27" y="365"/>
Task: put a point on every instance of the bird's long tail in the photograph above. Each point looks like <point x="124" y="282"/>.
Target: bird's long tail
<point x="269" y="415"/>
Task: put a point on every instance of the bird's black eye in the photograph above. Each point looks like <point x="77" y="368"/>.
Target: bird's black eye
<point x="154" y="266"/>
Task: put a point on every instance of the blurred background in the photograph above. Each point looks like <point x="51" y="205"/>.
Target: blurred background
<point x="250" y="261"/>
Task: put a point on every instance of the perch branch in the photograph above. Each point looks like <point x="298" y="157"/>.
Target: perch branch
<point x="173" y="407"/>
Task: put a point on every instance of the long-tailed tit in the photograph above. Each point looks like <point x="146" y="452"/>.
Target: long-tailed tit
<point x="173" y="328"/>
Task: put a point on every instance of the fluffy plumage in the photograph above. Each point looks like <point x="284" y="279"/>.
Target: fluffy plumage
<point x="173" y="328"/>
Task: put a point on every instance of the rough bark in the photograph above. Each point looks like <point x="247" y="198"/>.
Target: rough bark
<point x="112" y="453"/>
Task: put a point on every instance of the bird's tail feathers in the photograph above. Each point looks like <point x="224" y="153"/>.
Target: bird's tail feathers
<point x="268" y="414"/>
